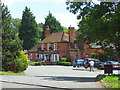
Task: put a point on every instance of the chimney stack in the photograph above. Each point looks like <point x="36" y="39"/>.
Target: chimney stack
<point x="71" y="34"/>
<point x="47" y="31"/>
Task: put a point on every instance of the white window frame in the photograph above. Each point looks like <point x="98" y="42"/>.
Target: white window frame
<point x="55" y="57"/>
<point x="75" y="45"/>
<point x="36" y="56"/>
<point x="55" y="46"/>
<point x="31" y="56"/>
<point x="42" y="46"/>
<point x="48" y="46"/>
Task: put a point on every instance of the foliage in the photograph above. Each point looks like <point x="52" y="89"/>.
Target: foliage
<point x="53" y="24"/>
<point x="64" y="59"/>
<point x="35" y="63"/>
<point x="36" y="60"/>
<point x="16" y="22"/>
<point x="64" y="63"/>
<point x="10" y="73"/>
<point x="21" y="62"/>
<point x="28" y="30"/>
<point x="68" y="60"/>
<point x="104" y="56"/>
<point x="11" y="44"/>
<point x="111" y="80"/>
<point x="40" y="31"/>
<point x="99" y="24"/>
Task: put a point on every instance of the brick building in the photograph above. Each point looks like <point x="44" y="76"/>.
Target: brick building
<point x="60" y="44"/>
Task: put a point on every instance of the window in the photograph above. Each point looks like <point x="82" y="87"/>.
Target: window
<point x="55" y="46"/>
<point x="48" y="47"/>
<point x="30" y="56"/>
<point x="42" y="46"/>
<point x="75" y="45"/>
<point x="55" y="57"/>
<point x="36" y="56"/>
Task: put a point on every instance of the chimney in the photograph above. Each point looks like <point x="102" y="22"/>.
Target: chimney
<point x="47" y="31"/>
<point x="71" y="34"/>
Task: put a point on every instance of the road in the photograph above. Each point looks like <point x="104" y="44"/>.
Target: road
<point x="53" y="77"/>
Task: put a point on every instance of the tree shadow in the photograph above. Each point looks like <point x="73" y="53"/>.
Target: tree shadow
<point x="75" y="79"/>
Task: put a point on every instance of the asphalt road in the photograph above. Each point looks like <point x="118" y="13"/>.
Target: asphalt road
<point x="53" y="77"/>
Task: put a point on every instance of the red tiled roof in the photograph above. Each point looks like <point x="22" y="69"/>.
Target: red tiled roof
<point x="56" y="37"/>
<point x="34" y="48"/>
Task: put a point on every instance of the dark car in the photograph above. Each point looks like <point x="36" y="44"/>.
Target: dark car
<point x="96" y="61"/>
<point x="78" y="63"/>
<point x="115" y="64"/>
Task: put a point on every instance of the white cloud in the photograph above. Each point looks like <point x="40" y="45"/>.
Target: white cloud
<point x="10" y="2"/>
<point x="66" y="19"/>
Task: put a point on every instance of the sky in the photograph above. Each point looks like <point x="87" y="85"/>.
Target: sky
<point x="41" y="8"/>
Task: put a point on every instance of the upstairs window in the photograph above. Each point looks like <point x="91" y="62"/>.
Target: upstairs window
<point x="48" y="46"/>
<point x="30" y="56"/>
<point x="36" y="55"/>
<point x="42" y="46"/>
<point x="55" y="46"/>
<point x="75" y="45"/>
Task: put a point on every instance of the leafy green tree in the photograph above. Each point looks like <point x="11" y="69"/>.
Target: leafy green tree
<point x="53" y="24"/>
<point x="40" y="31"/>
<point x="16" y="22"/>
<point x="100" y="23"/>
<point x="11" y="44"/>
<point x="28" y="29"/>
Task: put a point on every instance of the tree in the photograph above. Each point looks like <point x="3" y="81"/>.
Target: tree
<point x="100" y="23"/>
<point x="53" y="24"/>
<point x="16" y="22"/>
<point x="11" y="44"/>
<point x="28" y="29"/>
<point x="40" y="31"/>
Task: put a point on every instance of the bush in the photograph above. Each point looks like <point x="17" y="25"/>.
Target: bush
<point x="21" y="62"/>
<point x="64" y="63"/>
<point x="36" y="60"/>
<point x="63" y="59"/>
<point x="35" y="63"/>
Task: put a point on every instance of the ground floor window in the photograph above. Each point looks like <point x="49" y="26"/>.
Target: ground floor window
<point x="49" y="57"/>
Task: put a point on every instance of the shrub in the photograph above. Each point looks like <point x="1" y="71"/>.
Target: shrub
<point x="35" y="63"/>
<point x="21" y="62"/>
<point x="63" y="59"/>
<point x="68" y="60"/>
<point x="36" y="60"/>
<point x="64" y="63"/>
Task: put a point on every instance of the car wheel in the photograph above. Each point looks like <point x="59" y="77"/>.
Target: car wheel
<point x="74" y="66"/>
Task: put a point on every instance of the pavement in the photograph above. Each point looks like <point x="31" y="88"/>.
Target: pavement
<point x="53" y="77"/>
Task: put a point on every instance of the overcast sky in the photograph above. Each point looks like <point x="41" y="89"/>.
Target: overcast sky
<point x="41" y="8"/>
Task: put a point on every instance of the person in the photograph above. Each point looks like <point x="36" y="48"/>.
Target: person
<point x="91" y="65"/>
<point x="86" y="64"/>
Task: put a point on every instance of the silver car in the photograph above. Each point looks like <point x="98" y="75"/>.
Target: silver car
<point x="115" y="64"/>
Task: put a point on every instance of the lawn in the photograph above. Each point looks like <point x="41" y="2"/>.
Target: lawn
<point x="10" y="73"/>
<point x="110" y="81"/>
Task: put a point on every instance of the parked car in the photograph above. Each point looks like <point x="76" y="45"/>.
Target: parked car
<point x="115" y="64"/>
<point x="78" y="63"/>
<point x="96" y="61"/>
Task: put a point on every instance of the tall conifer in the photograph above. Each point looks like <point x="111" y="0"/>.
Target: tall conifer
<point x="28" y="29"/>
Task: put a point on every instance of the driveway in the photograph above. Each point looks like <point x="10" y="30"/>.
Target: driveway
<point x="55" y="77"/>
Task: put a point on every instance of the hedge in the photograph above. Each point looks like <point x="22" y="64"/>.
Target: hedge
<point x="35" y="63"/>
<point x="64" y="63"/>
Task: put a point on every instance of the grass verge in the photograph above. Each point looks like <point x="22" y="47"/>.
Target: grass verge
<point x="10" y="73"/>
<point x="109" y="81"/>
